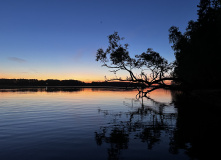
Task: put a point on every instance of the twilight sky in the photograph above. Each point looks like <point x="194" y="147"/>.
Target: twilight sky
<point x="58" y="39"/>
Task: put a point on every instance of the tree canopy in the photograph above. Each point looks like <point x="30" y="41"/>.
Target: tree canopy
<point x="152" y="70"/>
<point x="197" y="50"/>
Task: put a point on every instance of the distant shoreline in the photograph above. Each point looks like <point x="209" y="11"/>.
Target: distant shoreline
<point x="17" y="87"/>
<point x="34" y="83"/>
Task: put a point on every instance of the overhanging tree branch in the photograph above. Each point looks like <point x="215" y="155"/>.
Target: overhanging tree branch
<point x="155" y="70"/>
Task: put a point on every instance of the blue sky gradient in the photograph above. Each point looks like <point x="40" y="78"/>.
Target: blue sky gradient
<point x="58" y="39"/>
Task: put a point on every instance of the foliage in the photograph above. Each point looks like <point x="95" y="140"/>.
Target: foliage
<point x="197" y="50"/>
<point x="153" y="69"/>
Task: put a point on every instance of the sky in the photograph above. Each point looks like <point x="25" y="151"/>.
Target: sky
<point x="58" y="39"/>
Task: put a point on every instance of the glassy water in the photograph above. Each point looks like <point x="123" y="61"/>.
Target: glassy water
<point x="91" y="123"/>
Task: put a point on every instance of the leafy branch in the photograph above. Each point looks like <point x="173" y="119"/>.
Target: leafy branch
<point x="153" y="69"/>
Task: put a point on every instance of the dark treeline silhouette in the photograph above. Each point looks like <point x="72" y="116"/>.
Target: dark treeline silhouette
<point x="35" y="82"/>
<point x="197" y="49"/>
<point x="55" y="82"/>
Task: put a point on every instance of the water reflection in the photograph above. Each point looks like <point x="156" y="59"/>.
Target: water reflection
<point x="80" y="123"/>
<point x="197" y="127"/>
<point x="44" y="89"/>
<point x="66" y="89"/>
<point x="143" y="122"/>
<point x="194" y="130"/>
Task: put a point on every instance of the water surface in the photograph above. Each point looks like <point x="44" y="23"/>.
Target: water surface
<point x="89" y="123"/>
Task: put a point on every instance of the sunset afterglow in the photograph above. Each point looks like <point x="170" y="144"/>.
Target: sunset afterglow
<point x="46" y="39"/>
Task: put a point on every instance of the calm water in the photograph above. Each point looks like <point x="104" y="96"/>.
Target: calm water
<point x="91" y="123"/>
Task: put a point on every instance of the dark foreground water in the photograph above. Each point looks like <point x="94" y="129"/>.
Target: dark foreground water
<point x="90" y="123"/>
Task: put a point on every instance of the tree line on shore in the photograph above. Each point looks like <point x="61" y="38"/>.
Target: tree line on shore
<point x="36" y="82"/>
<point x="55" y="82"/>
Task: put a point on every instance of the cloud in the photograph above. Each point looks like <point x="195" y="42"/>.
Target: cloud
<point x="16" y="59"/>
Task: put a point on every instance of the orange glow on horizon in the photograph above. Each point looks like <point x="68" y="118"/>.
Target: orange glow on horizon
<point x="87" y="77"/>
<point x="45" y="77"/>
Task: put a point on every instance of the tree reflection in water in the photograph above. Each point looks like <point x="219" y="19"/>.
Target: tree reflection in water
<point x="144" y="122"/>
<point x="195" y="129"/>
<point x="198" y="124"/>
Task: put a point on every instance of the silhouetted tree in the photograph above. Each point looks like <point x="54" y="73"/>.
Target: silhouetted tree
<point x="197" y="50"/>
<point x="154" y="70"/>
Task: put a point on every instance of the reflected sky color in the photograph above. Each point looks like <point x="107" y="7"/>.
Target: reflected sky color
<point x="40" y="124"/>
<point x="58" y="39"/>
<point x="80" y="94"/>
